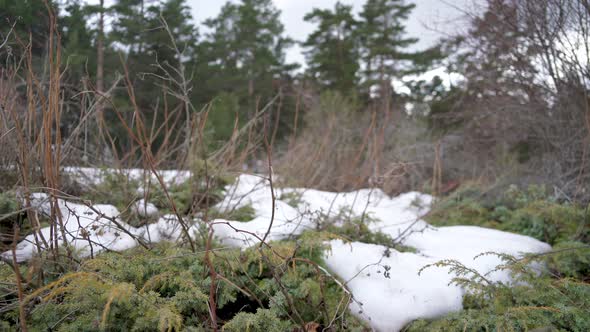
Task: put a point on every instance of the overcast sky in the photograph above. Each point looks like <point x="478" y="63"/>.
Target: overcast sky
<point x="429" y="21"/>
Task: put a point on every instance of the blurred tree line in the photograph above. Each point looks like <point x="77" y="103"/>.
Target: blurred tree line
<point x="521" y="105"/>
<point x="235" y="66"/>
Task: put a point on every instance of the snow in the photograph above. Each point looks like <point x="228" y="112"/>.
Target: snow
<point x="89" y="175"/>
<point x="144" y="209"/>
<point x="253" y="191"/>
<point x="90" y="229"/>
<point x="449" y="79"/>
<point x="387" y="303"/>
<point x="82" y="225"/>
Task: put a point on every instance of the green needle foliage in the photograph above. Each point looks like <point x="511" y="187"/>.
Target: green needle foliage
<point x="549" y="292"/>
<point x="333" y="48"/>
<point x="167" y="289"/>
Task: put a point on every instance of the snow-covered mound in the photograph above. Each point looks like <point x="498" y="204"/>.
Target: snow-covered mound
<point x="144" y="209"/>
<point x="388" y="303"/>
<point x="388" y="291"/>
<point x="90" y="229"/>
<point x="385" y="283"/>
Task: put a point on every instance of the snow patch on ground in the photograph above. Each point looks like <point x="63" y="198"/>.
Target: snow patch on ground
<point x="144" y="209"/>
<point x="91" y="229"/>
<point x="255" y="191"/>
<point x="388" y="303"/>
<point x="389" y="292"/>
<point x="89" y="175"/>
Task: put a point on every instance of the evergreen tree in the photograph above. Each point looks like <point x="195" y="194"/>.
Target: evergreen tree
<point x="171" y="31"/>
<point x="172" y="42"/>
<point x="332" y="53"/>
<point x="99" y="11"/>
<point x="243" y="63"/>
<point x="383" y="41"/>
<point x="248" y="45"/>
<point x="150" y="32"/>
<point x="218" y="55"/>
<point x="77" y="39"/>
<point x="80" y="55"/>
<point x="261" y="42"/>
<point x="28" y="17"/>
<point x="130" y="24"/>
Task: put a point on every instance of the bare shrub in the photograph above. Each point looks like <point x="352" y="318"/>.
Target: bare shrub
<point x="522" y="113"/>
<point x="341" y="148"/>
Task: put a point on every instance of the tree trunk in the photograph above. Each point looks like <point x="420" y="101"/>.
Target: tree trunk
<point x="100" y="65"/>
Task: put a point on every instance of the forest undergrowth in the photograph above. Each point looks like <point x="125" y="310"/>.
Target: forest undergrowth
<point x="196" y="283"/>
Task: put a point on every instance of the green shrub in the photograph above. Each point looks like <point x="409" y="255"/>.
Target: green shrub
<point x="9" y="203"/>
<point x="570" y="259"/>
<point x="118" y="189"/>
<point x="9" y="213"/>
<point x="115" y="188"/>
<point x="526" y="212"/>
<point x="293" y="198"/>
<point x="533" y="301"/>
<point x="167" y="289"/>
<point x="244" y="213"/>
<point x="558" y="299"/>
<point x="263" y="320"/>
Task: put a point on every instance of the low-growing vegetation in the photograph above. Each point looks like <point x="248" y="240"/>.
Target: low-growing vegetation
<point x="130" y="88"/>
<point x="167" y="289"/>
<point x="555" y="297"/>
<point x="350" y="227"/>
<point x="531" y="212"/>
<point x="286" y="287"/>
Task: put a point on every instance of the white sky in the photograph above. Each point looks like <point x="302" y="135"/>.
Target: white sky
<point x="430" y="20"/>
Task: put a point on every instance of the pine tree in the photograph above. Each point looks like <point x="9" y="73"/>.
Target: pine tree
<point x="99" y="11"/>
<point x="170" y="27"/>
<point x="383" y="41"/>
<point x="248" y="45"/>
<point x="242" y="62"/>
<point x="100" y="63"/>
<point x="261" y="42"/>
<point x="218" y="55"/>
<point x="76" y="38"/>
<point x="172" y="42"/>
<point x="332" y="53"/>
<point x="129" y="25"/>
<point x="28" y="17"/>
